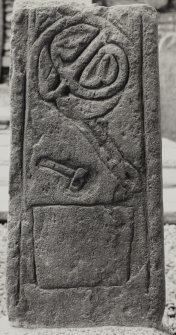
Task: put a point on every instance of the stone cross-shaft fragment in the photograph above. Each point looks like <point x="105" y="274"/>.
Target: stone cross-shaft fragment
<point x="85" y="225"/>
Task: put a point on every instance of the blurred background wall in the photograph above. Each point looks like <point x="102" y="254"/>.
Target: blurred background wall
<point x="5" y="26"/>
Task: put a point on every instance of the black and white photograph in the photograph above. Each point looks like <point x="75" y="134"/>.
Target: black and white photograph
<point x="87" y="167"/>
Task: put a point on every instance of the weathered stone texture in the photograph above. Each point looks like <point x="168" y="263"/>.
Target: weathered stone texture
<point x="85" y="227"/>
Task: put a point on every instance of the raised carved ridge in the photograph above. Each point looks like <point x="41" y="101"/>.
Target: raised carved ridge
<point x="82" y="57"/>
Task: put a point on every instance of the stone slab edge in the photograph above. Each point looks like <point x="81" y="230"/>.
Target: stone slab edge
<point x="152" y="154"/>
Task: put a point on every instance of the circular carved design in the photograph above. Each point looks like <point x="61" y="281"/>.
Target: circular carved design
<point x="84" y="59"/>
<point x="99" y="73"/>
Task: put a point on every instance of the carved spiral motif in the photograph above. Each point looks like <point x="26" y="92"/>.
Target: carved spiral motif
<point x="106" y="73"/>
<point x="81" y="58"/>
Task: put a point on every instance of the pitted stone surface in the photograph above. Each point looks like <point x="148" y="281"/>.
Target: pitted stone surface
<point x="85" y="224"/>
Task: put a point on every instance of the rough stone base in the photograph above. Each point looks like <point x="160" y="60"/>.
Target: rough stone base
<point x="6" y="329"/>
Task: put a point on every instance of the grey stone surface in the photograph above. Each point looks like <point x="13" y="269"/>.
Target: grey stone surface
<point x="167" y="61"/>
<point x="169" y="172"/>
<point x="85" y="227"/>
<point x="169" y="320"/>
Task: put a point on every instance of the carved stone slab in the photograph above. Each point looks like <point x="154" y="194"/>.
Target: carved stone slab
<point x="85" y="223"/>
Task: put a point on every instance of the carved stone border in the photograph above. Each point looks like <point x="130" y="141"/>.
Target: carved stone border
<point x="152" y="154"/>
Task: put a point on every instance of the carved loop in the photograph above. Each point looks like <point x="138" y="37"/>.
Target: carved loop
<point x="84" y="62"/>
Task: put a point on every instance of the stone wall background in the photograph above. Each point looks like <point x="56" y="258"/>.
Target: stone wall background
<point x="7" y="6"/>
